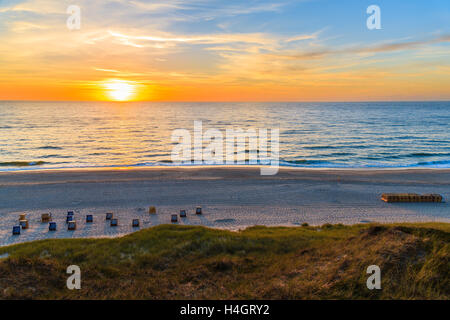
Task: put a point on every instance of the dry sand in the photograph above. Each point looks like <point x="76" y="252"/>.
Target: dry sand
<point x="231" y="198"/>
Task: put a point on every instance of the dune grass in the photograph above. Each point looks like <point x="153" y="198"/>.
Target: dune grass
<point x="185" y="262"/>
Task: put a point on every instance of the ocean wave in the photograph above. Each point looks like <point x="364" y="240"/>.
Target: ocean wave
<point x="291" y="163"/>
<point x="320" y="147"/>
<point x="311" y="164"/>
<point x="426" y="154"/>
<point x="334" y="154"/>
<point x="405" y="156"/>
<point x="21" y="164"/>
<point x="56" y="156"/>
<point x="407" y="137"/>
<point x="50" y="148"/>
<point x="303" y="162"/>
<point x="434" y="163"/>
<point x="296" y="131"/>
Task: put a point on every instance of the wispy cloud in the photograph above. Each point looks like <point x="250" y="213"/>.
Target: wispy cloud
<point x="106" y="70"/>
<point x="203" y="39"/>
<point x="157" y="7"/>
<point x="380" y="48"/>
<point x="210" y="8"/>
<point x="36" y="6"/>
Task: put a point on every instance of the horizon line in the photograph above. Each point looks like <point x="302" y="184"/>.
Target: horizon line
<point x="229" y="101"/>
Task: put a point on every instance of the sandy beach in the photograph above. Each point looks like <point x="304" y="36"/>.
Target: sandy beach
<point x="231" y="198"/>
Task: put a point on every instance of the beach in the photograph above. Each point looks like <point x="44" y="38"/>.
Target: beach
<point x="231" y="198"/>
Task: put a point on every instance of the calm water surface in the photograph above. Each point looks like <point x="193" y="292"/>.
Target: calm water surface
<point x="37" y="135"/>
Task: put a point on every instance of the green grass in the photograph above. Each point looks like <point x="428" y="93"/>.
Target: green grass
<point x="182" y="262"/>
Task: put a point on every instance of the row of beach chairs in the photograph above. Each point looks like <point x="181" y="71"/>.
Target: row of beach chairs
<point x="410" y="197"/>
<point x="72" y="224"/>
<point x="183" y="214"/>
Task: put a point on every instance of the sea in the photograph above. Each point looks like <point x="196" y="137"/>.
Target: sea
<point x="50" y="135"/>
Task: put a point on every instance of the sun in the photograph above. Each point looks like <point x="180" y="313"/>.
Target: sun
<point x="120" y="90"/>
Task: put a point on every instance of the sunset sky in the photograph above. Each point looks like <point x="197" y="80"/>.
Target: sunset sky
<point x="202" y="50"/>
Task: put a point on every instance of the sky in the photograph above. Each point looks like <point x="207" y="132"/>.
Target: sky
<point x="208" y="50"/>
